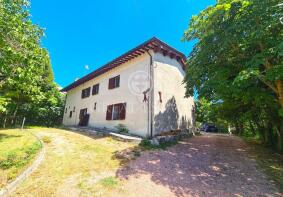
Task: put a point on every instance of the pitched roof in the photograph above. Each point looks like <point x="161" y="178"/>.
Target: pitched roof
<point x="153" y="44"/>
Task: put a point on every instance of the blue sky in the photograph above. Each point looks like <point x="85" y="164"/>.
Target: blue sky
<point x="92" y="32"/>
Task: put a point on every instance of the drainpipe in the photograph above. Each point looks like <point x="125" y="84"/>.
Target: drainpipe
<point x="151" y="94"/>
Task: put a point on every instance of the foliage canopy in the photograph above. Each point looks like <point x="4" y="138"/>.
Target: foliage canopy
<point x="26" y="77"/>
<point x="237" y="63"/>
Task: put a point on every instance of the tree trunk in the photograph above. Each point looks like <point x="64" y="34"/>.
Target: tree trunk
<point x="14" y="115"/>
<point x="279" y="132"/>
<point x="268" y="134"/>
<point x="4" y="123"/>
<point x="279" y="86"/>
<point x="237" y="128"/>
<point x="261" y="132"/>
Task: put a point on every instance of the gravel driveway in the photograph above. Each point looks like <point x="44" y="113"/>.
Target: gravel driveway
<point x="209" y="165"/>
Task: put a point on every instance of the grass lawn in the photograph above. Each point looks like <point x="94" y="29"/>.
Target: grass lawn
<point x="75" y="164"/>
<point x="17" y="149"/>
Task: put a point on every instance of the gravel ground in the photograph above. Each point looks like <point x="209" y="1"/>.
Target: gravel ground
<point x="209" y="165"/>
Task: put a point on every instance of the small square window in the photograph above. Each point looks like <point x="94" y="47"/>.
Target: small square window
<point x="114" y="82"/>
<point x="95" y="89"/>
<point x="86" y="92"/>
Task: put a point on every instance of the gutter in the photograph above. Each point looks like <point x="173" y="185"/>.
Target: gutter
<point x="151" y="96"/>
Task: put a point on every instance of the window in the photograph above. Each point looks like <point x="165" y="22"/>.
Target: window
<point x="116" y="112"/>
<point x="66" y="109"/>
<point x="94" y="106"/>
<point x="70" y="115"/>
<point x="74" y="109"/>
<point x="86" y="92"/>
<point x="114" y="82"/>
<point x="95" y="89"/>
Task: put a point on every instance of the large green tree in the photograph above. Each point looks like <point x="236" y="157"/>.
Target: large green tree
<point x="26" y="77"/>
<point x="238" y="62"/>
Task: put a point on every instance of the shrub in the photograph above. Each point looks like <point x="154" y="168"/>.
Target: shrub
<point x="122" y="128"/>
<point x="46" y="139"/>
<point x="146" y="144"/>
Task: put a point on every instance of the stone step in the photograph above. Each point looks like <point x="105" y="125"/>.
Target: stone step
<point x="106" y="131"/>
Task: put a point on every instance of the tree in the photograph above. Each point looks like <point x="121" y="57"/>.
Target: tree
<point x="237" y="61"/>
<point x="25" y="71"/>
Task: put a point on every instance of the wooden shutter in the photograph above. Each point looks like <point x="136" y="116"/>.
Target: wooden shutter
<point x="83" y="93"/>
<point x="122" y="111"/>
<point x="110" y="84"/>
<point x="118" y="81"/>
<point x="109" y="112"/>
<point x="95" y="89"/>
<point x="87" y="92"/>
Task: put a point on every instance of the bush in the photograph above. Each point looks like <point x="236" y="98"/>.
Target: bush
<point x="122" y="128"/>
<point x="46" y="139"/>
<point x="146" y="144"/>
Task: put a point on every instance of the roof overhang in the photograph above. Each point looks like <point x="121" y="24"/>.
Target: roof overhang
<point x="153" y="44"/>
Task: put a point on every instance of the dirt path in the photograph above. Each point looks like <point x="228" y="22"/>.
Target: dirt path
<point x="210" y="165"/>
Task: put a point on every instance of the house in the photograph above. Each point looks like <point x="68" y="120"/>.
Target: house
<point x="142" y="89"/>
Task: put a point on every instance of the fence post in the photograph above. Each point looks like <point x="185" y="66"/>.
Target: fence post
<point x="23" y="123"/>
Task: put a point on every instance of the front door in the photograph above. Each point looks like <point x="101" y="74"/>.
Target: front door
<point x="83" y="117"/>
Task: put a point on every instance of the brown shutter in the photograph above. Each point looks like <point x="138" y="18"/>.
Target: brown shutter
<point x="122" y="111"/>
<point x="109" y="112"/>
<point x="82" y="96"/>
<point x="118" y="81"/>
<point x="111" y="83"/>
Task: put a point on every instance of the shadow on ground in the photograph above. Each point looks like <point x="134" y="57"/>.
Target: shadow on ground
<point x="5" y="136"/>
<point x="210" y="165"/>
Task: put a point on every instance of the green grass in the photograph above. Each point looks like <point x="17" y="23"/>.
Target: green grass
<point x="17" y="149"/>
<point x="109" y="182"/>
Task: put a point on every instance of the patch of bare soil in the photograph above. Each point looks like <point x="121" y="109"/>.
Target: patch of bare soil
<point x="209" y="165"/>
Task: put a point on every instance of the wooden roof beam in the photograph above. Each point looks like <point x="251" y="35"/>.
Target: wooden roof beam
<point x="165" y="52"/>
<point x="172" y="54"/>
